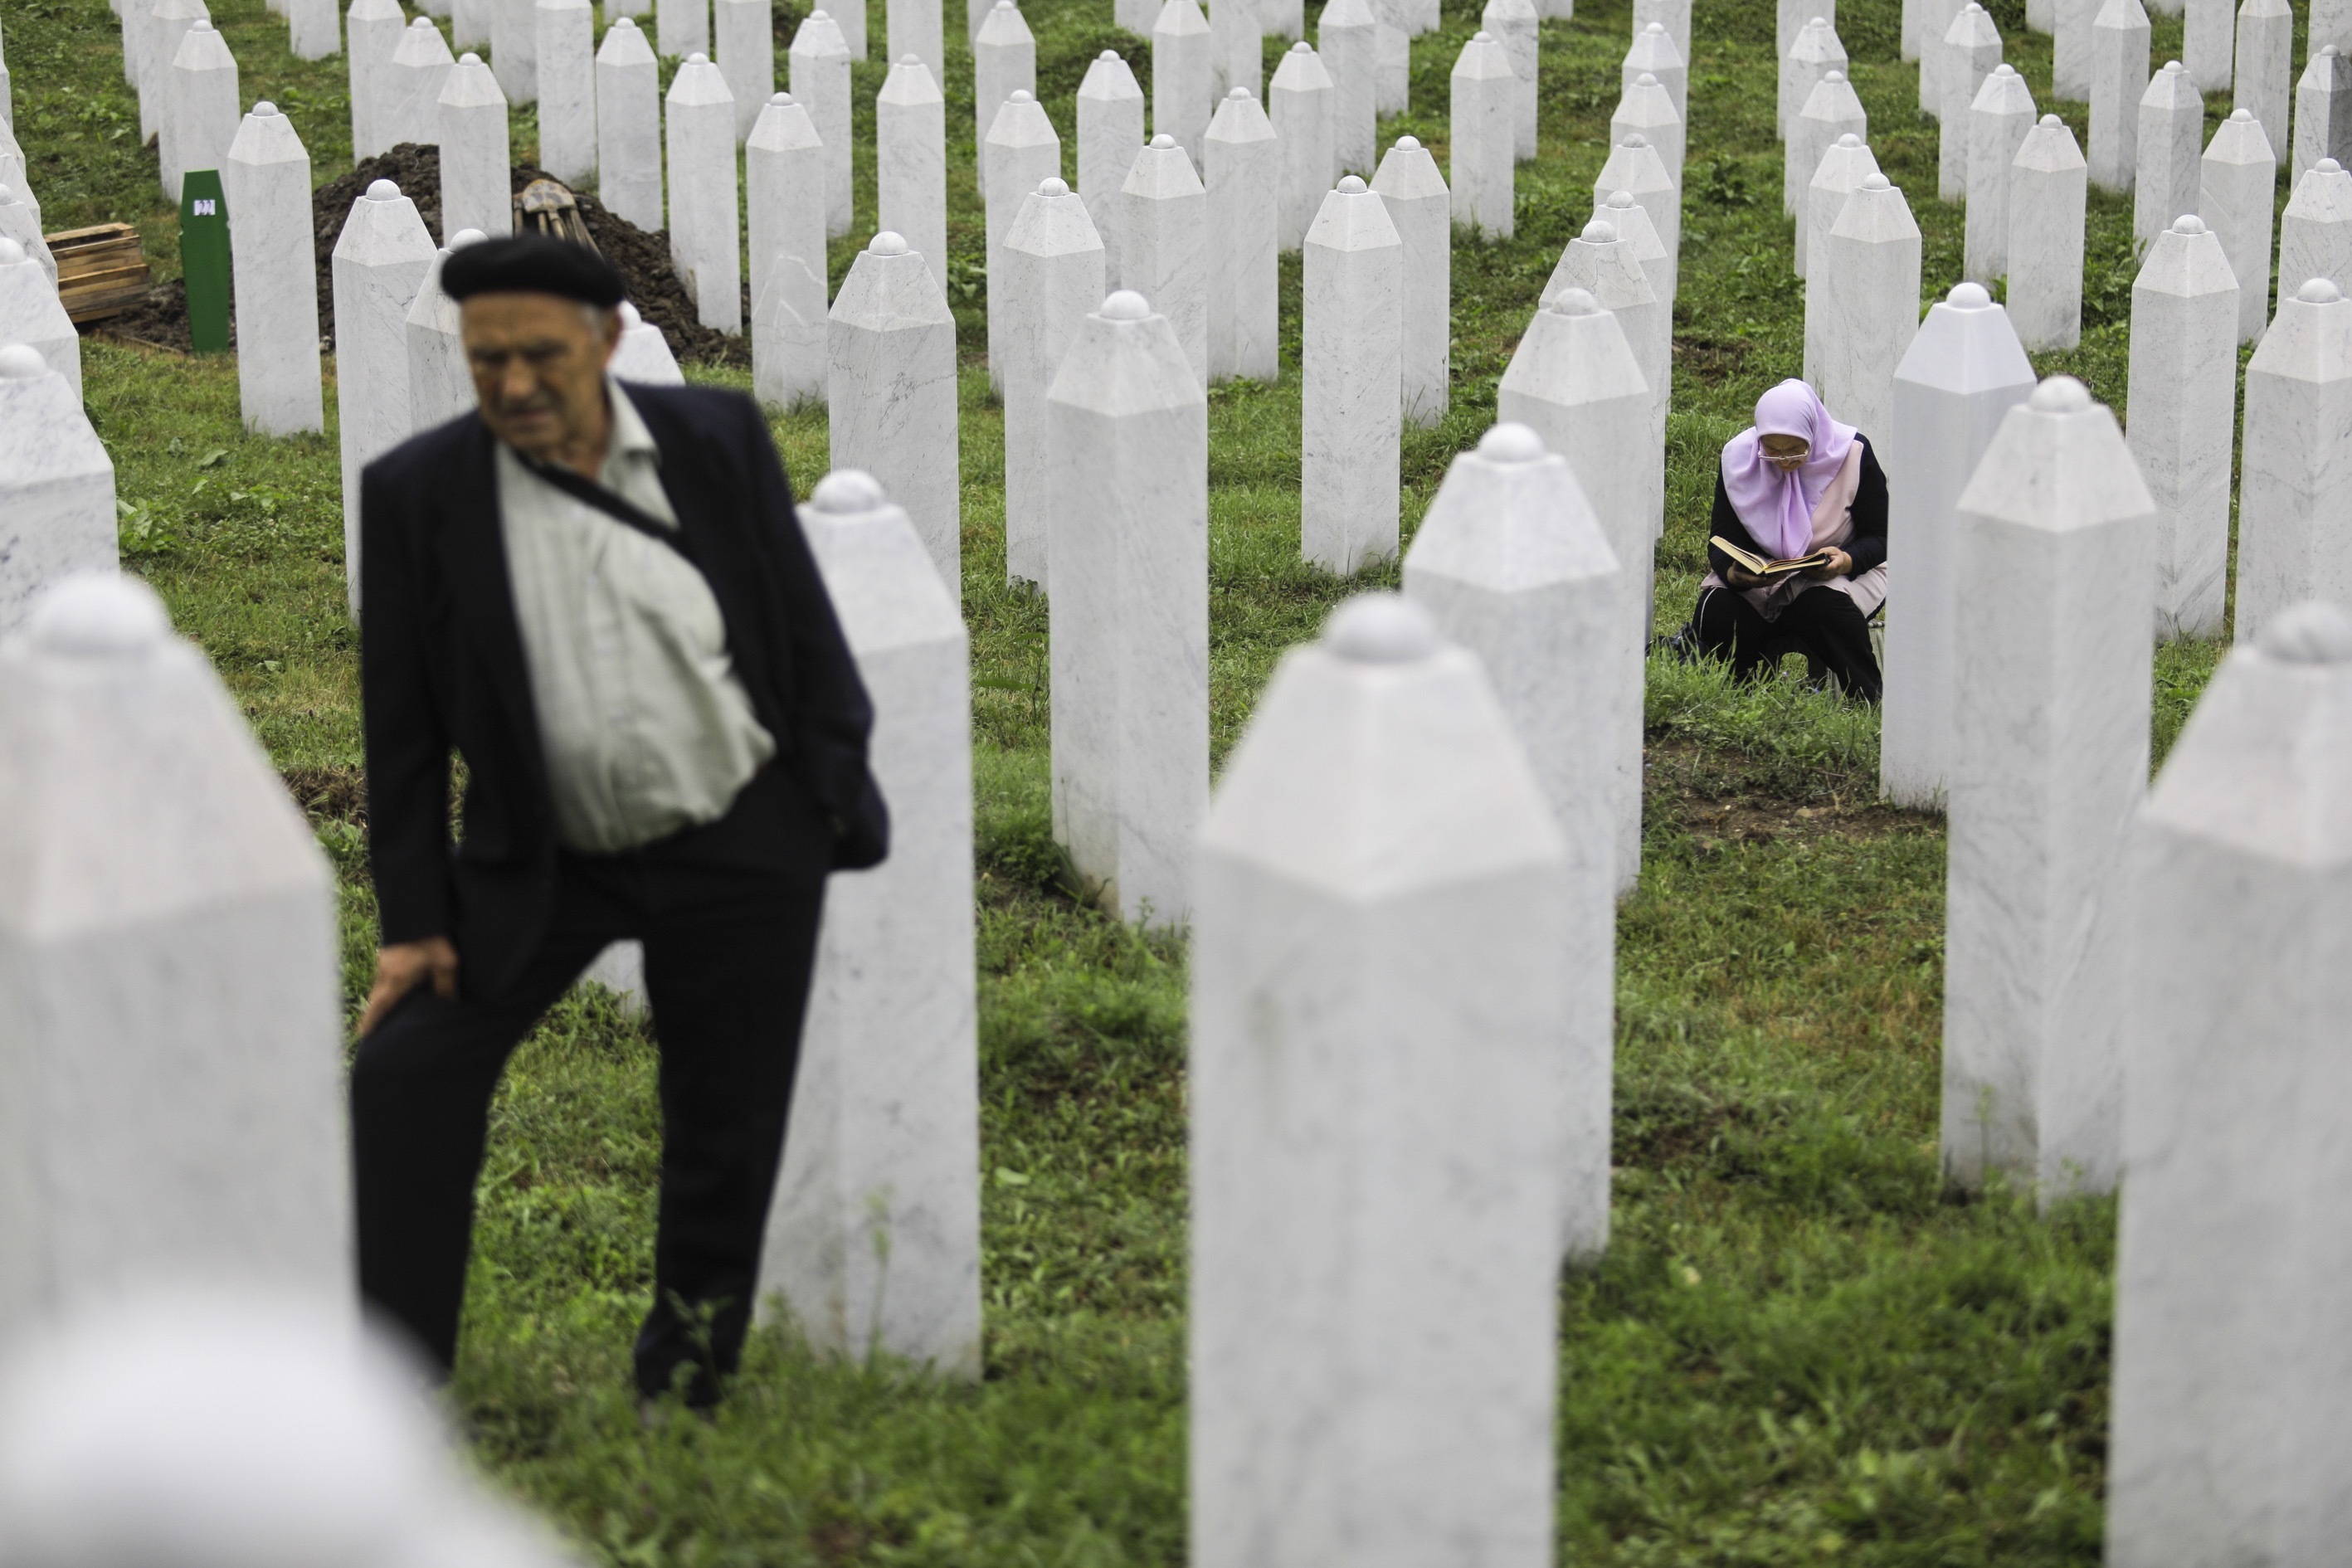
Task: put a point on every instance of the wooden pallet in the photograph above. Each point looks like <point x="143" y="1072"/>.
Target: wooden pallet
<point x="102" y="271"/>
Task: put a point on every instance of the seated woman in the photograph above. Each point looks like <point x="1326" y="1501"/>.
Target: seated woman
<point x="1796" y="484"/>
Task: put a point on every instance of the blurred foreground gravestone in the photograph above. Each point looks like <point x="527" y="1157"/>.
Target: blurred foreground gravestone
<point x="874" y="1240"/>
<point x="205" y="1431"/>
<point x="2233" y="1394"/>
<point x="57" y="483"/>
<point x="1378" y="1004"/>
<point x="171" y="1069"/>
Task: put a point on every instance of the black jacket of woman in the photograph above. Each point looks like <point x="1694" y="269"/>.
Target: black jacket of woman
<point x="1867" y="545"/>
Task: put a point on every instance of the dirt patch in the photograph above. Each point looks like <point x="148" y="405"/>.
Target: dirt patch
<point x="642" y="259"/>
<point x="1711" y="362"/>
<point x="330" y="794"/>
<point x="1689" y="783"/>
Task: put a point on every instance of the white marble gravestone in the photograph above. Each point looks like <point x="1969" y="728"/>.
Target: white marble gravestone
<point x="476" y="183"/>
<point x="2184" y="408"/>
<point x="2236" y="179"/>
<point x="681" y="27"/>
<point x="1300" y="99"/>
<point x="161" y="1131"/>
<point x="1351" y="350"/>
<point x="1182" y="74"/>
<point x="784" y="183"/>
<point x="1236" y="47"/>
<point x="819" y="62"/>
<point x="2168" y="148"/>
<point x="890" y="392"/>
<point x="1053" y="277"/>
<point x="1792" y="17"/>
<point x="1971" y="54"/>
<point x="314" y="28"/>
<point x="2209" y="43"/>
<point x="514" y="45"/>
<point x="1481" y="139"/>
<point x="1243" y="268"/>
<point x="1862" y="305"/>
<point x="2071" y="49"/>
<point x="705" y="235"/>
<point x="2265" y="66"/>
<point x="1604" y="264"/>
<point x="1963" y="373"/>
<point x="1377" y="1011"/>
<point x="373" y="29"/>
<point x="169" y="22"/>
<point x="2294" y="498"/>
<point x="1844" y="164"/>
<point x="1832" y="109"/>
<point x="1624" y="214"/>
<point x="266" y="179"/>
<point x="1673" y="16"/>
<point x="2316" y="230"/>
<point x="1391" y="55"/>
<point x="567" y="90"/>
<point x="2322" y="112"/>
<point x="873" y="1237"/>
<point x="628" y="126"/>
<point x="380" y="261"/>
<point x="1812" y="55"/>
<point x="410" y="94"/>
<point x="2331" y="22"/>
<point x="56" y="486"/>
<point x="440" y="384"/>
<point x="1128" y="433"/>
<point x="915" y="27"/>
<point x="1574" y="381"/>
<point x="910" y="160"/>
<point x="1512" y="563"/>
<point x="23" y="225"/>
<point x="642" y="354"/>
<point x="1163" y="222"/>
<point x="2119" y="59"/>
<point x="2229" y="1383"/>
<point x="31" y="314"/>
<point x="1934" y="21"/>
<point x="1110" y="134"/>
<point x="744" y="49"/>
<point x="1420" y="205"/>
<point x="2048" y="190"/>
<point x="1634" y="166"/>
<point x="1647" y="111"/>
<point x="1655" y="53"/>
<point x="1004" y="62"/>
<point x="2050" y="760"/>
<point x="1021" y="151"/>
<point x="202" y="105"/>
<point x="1999" y="121"/>
<point x="1345" y="41"/>
<point x="1513" y="24"/>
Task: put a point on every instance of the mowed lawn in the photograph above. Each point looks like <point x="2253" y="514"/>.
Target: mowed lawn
<point x="1799" y="1349"/>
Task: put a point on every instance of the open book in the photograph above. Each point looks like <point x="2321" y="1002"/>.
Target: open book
<point x="1769" y="569"/>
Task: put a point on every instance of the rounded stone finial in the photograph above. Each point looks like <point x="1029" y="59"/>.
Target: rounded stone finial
<point x="1052" y="186"/>
<point x="1876" y="183"/>
<point x="2052" y="120"/>
<point x="384" y="191"/>
<point x="2172" y="66"/>
<point x="264" y="110"/>
<point x="1834" y="76"/>
<point x="1239" y="92"/>
<point x="2243" y="114"/>
<point x="202" y="26"/>
<point x="419" y="22"/>
<point x="628" y="22"/>
<point x="1006" y="6"/>
<point x="11" y="253"/>
<point x="2060" y="395"/>
<point x="1351" y="185"/>
<point x="1849" y="140"/>
<point x="1301" y="47"/>
<point x="6" y="195"/>
<point x="1968" y="297"/>
<point x="1510" y="442"/>
<point x="470" y="58"/>
<point x="845" y="490"/>
<point x="1482" y="37"/>
<point x="631" y="317"/>
<point x="2329" y="50"/>
<point x="99" y="615"/>
<point x="1164" y="141"/>
<point x="2188" y="223"/>
<point x="1819" y="22"/>
<point x="1381" y="628"/>
<point x="1108" y="54"/>
<point x="1658" y="27"/>
<point x="2314" y="632"/>
<point x="1600" y="231"/>
<point x="2329" y="166"/>
<point x="1576" y="302"/>
<point x="1621" y="200"/>
<point x="699" y="58"/>
<point x="1646" y="79"/>
<point x="1635" y="139"/>
<point x="820" y="14"/>
<point x="466" y="237"/>
<point x="1022" y="95"/>
<point x="1408" y="144"/>
<point x="2004" y="69"/>
<point x="889" y="243"/>
<point x="20" y="362"/>
<point x="2318" y="292"/>
<point x="1124" y="305"/>
<point x="780" y="99"/>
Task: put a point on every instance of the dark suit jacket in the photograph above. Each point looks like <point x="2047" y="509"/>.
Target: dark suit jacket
<point x="441" y="667"/>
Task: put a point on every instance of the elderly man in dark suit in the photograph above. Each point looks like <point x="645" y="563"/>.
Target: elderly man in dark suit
<point x="599" y="597"/>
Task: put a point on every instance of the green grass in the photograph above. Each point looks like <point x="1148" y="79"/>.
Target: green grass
<point x="1799" y="1349"/>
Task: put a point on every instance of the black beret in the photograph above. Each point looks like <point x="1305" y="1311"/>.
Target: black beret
<point x="531" y="264"/>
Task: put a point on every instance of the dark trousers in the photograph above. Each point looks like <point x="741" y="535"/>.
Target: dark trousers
<point x="730" y="941"/>
<point x="1821" y="623"/>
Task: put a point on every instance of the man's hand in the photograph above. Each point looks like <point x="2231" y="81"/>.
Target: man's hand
<point x="1839" y="564"/>
<point x="402" y="968"/>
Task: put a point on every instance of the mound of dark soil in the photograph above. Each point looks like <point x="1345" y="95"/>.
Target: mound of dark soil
<point x="642" y="259"/>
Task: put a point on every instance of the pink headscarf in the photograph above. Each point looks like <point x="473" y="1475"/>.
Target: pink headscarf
<point x="1778" y="508"/>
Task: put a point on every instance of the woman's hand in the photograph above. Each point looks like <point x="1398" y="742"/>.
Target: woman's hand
<point x="1839" y="564"/>
<point x="1737" y="576"/>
